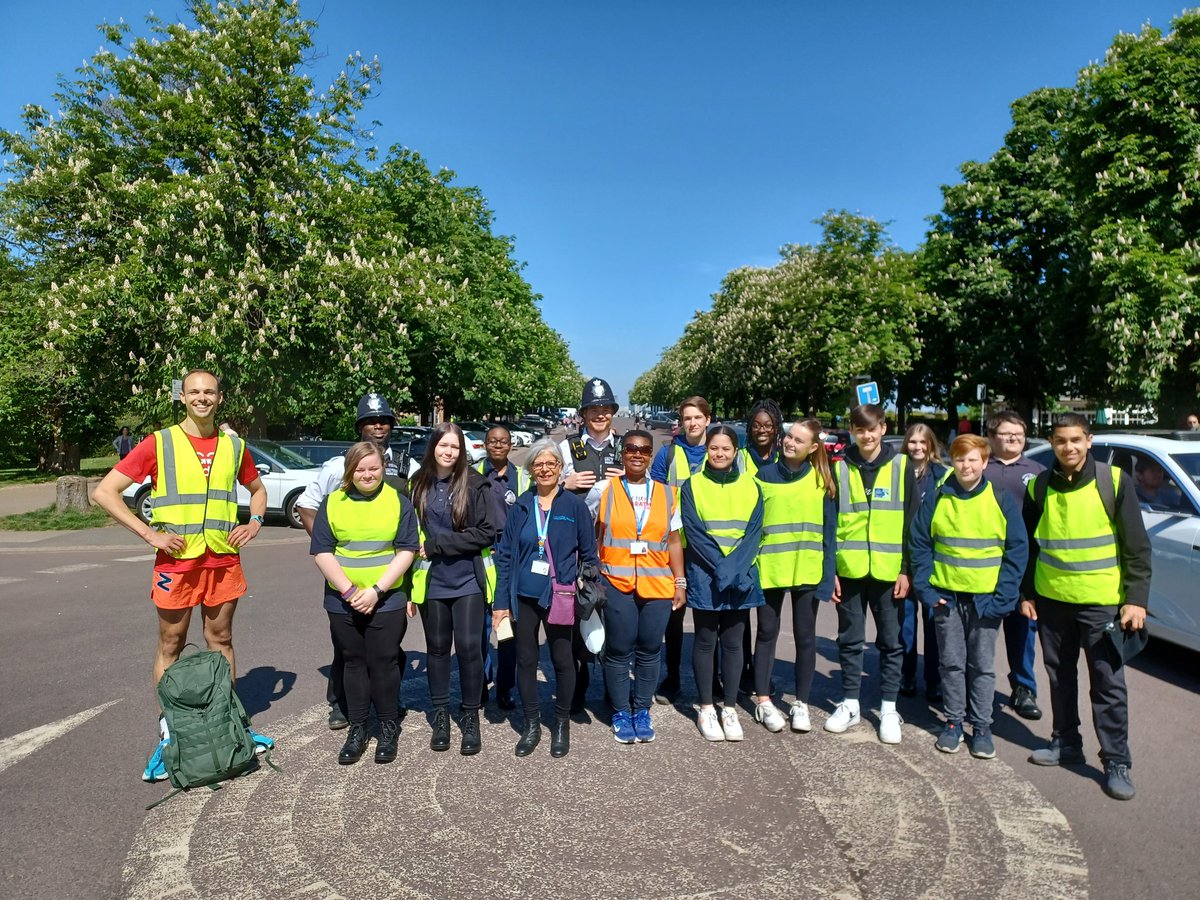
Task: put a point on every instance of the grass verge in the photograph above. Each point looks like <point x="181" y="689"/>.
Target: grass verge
<point x="47" y="519"/>
<point x="94" y="466"/>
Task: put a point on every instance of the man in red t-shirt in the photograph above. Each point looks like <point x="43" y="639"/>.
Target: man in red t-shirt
<point x="213" y="581"/>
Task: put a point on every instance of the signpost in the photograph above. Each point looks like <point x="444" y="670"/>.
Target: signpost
<point x="981" y="396"/>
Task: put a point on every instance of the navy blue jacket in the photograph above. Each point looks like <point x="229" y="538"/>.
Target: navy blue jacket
<point x="1012" y="566"/>
<point x="571" y="535"/>
<point x="781" y="474"/>
<point x="660" y="469"/>
<point x="716" y="581"/>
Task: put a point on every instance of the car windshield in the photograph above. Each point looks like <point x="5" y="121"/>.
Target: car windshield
<point x="1190" y="463"/>
<point x="284" y="455"/>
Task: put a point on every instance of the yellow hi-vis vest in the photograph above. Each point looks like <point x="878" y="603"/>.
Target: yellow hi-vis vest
<point x="200" y="510"/>
<point x="522" y="476"/>
<point x="680" y="469"/>
<point x="726" y="508"/>
<point x="365" y="531"/>
<point x="793" y="532"/>
<point x="870" y="533"/>
<point x="1077" y="559"/>
<point x="420" y="573"/>
<point x="968" y="542"/>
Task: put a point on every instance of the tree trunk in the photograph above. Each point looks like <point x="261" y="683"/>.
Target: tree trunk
<point x="71" y="492"/>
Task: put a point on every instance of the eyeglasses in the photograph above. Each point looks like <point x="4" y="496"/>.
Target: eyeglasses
<point x="498" y="442"/>
<point x="1009" y="436"/>
<point x="759" y="426"/>
<point x="543" y="466"/>
<point x="635" y="450"/>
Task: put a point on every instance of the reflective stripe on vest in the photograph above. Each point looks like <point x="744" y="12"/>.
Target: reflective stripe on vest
<point x="968" y="542"/>
<point x="646" y="575"/>
<point x="420" y="573"/>
<point x="791" y="553"/>
<point x="365" y="532"/>
<point x="201" y="510"/>
<point x="681" y="469"/>
<point x="725" y="508"/>
<point x="870" y="532"/>
<point x="522" y="476"/>
<point x="1077" y="559"/>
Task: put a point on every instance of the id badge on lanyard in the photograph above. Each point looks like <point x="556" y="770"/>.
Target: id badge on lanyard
<point x="541" y="565"/>
<point x="639" y="547"/>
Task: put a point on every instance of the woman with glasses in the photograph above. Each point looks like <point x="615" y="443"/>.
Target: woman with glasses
<point x="452" y="582"/>
<point x="796" y="557"/>
<point x="548" y="534"/>
<point x="924" y="453"/>
<point x="641" y="558"/>
<point x="762" y="437"/>
<point x="722" y="512"/>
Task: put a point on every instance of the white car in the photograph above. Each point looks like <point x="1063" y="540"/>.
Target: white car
<point x="521" y="438"/>
<point x="1165" y="472"/>
<point x="284" y="474"/>
<point x="476" y="451"/>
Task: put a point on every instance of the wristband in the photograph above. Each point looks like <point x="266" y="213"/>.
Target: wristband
<point x="259" y="519"/>
<point x="348" y="593"/>
<point x="681" y="582"/>
<point x="378" y="591"/>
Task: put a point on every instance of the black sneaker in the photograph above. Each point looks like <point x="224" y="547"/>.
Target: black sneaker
<point x="908" y="687"/>
<point x="934" y="694"/>
<point x="337" y="718"/>
<point x="1024" y="704"/>
<point x="1117" y="783"/>
<point x="504" y="700"/>
<point x="667" y="692"/>
<point x="1058" y="754"/>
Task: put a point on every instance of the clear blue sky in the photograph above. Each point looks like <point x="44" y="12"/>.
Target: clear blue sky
<point x="638" y="151"/>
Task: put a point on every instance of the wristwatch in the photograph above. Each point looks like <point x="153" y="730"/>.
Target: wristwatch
<point x="259" y="519"/>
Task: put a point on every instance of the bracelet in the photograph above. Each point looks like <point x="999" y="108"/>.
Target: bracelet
<point x="349" y="592"/>
<point x="681" y="581"/>
<point x="378" y="590"/>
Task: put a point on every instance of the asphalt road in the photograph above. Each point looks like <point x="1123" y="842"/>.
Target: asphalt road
<point x="778" y="815"/>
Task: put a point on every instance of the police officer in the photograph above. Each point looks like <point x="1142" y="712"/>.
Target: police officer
<point x="374" y="423"/>
<point x="1089" y="572"/>
<point x="595" y="452"/>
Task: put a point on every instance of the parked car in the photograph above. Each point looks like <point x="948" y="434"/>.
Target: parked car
<point x="664" y="420"/>
<point x="521" y="438"/>
<point x="1171" y="511"/>
<point x="284" y="474"/>
<point x="533" y="422"/>
<point x="476" y="450"/>
<point x="317" y="452"/>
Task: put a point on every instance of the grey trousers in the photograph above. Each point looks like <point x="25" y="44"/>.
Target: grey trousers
<point x="967" y="643"/>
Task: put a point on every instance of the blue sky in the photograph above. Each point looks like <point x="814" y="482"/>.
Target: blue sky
<point x="638" y="151"/>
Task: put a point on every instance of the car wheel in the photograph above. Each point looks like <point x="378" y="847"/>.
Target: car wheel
<point x="144" y="504"/>
<point x="290" y="511"/>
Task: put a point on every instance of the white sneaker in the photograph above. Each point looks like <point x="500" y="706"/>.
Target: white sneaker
<point x="730" y="724"/>
<point x="710" y="727"/>
<point x="799" y="716"/>
<point x="843" y="717"/>
<point x="770" y="716"/>
<point x="889" y="727"/>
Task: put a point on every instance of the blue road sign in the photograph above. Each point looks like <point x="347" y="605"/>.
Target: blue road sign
<point x="868" y="393"/>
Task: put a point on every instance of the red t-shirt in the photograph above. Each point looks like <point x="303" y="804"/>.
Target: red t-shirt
<point x="143" y="461"/>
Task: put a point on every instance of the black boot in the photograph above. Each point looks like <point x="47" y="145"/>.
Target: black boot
<point x="469" y="725"/>
<point x="441" y="729"/>
<point x="355" y="746"/>
<point x="560" y="737"/>
<point x="531" y="735"/>
<point x="389" y="736"/>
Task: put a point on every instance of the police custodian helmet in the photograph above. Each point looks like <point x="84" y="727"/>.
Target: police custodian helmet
<point x="372" y="406"/>
<point x="597" y="393"/>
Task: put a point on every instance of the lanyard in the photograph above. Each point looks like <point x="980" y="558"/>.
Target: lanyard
<point x="542" y="527"/>
<point x="640" y="518"/>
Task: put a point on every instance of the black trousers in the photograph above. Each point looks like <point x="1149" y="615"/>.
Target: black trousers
<point x="726" y="627"/>
<point x="370" y="647"/>
<point x="673" y="638"/>
<point x="457" y="622"/>
<point x="1065" y="628"/>
<point x="530" y="616"/>
<point x="859" y="595"/>
<point x="804" y="628"/>
<point x="335" y="691"/>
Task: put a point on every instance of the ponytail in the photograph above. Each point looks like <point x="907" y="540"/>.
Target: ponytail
<point x="820" y="457"/>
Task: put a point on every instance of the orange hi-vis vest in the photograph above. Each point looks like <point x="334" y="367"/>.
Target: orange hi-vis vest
<point x="645" y="575"/>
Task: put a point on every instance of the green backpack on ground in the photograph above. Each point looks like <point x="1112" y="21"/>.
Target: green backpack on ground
<point x="210" y="731"/>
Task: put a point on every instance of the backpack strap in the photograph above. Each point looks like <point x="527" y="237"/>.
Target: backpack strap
<point x="1104" y="484"/>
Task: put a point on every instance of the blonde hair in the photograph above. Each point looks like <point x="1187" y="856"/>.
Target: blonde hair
<point x="924" y="432"/>
<point x="356" y="455"/>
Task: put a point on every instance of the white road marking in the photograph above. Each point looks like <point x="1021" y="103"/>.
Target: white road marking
<point x="74" y="567"/>
<point x="19" y="746"/>
<point x="143" y="558"/>
<point x="10" y="580"/>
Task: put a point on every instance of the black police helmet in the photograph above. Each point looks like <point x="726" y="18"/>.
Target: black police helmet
<point x="373" y="406"/>
<point x="597" y="393"/>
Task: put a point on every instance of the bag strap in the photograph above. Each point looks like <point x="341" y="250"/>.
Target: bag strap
<point x="1104" y="484"/>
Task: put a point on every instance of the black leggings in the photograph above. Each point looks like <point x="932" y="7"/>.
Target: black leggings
<point x="804" y="629"/>
<point x="530" y="615"/>
<point x="457" y="621"/>
<point x="370" y="648"/>
<point x="729" y="625"/>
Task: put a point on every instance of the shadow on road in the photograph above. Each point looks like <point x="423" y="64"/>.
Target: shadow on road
<point x="1170" y="663"/>
<point x="262" y="686"/>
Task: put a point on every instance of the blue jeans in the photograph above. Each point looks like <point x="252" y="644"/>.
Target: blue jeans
<point x="633" y="633"/>
<point x="908" y="637"/>
<point x="1020" y="642"/>
<point x="968" y="645"/>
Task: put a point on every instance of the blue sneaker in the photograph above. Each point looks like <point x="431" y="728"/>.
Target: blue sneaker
<point x="951" y="738"/>
<point x="622" y="726"/>
<point x="262" y="743"/>
<point x="642" y="727"/>
<point x="982" y="746"/>
<point x="155" y="769"/>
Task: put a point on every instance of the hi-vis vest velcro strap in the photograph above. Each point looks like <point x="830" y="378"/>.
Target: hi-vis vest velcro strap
<point x="1078" y="559"/>
<point x="202" y="510"/>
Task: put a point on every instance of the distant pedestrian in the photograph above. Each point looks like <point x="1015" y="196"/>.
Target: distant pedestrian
<point x="123" y="443"/>
<point x="1192" y="422"/>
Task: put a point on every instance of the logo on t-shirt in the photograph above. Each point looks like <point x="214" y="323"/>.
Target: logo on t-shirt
<point x="206" y="461"/>
<point x="1027" y="477"/>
